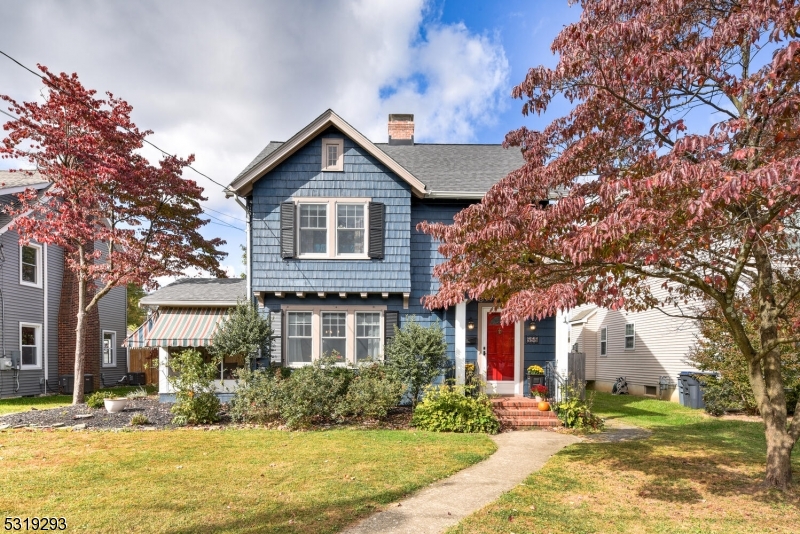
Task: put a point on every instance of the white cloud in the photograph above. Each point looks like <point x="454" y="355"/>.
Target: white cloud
<point x="220" y="80"/>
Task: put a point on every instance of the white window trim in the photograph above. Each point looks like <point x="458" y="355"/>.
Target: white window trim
<point x="633" y="336"/>
<point x="603" y="330"/>
<point x="316" y="328"/>
<point x="38" y="328"/>
<point x="339" y="143"/>
<point x="331" y="233"/>
<point x="113" y="349"/>
<point x="38" y="283"/>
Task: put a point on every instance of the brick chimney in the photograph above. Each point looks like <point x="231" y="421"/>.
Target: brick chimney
<point x="401" y="129"/>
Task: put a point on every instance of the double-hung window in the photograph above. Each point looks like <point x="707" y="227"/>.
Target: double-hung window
<point x="332" y="155"/>
<point x="314" y="229"/>
<point x="334" y="335"/>
<point x="332" y="228"/>
<point x="299" y="338"/>
<point x="603" y="341"/>
<point x="630" y="336"/>
<point x="109" y="349"/>
<point x="350" y="235"/>
<point x="30" y="345"/>
<point x="29" y="265"/>
<point x="368" y="336"/>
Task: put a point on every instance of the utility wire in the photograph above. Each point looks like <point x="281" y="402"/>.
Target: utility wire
<point x="222" y="213"/>
<point x="145" y="140"/>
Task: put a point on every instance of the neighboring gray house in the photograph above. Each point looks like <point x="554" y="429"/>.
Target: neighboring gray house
<point x="35" y="312"/>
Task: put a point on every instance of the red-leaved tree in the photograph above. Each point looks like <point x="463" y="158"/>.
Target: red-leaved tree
<point x="118" y="218"/>
<point x="679" y="161"/>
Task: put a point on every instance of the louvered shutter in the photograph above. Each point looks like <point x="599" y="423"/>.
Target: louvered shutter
<point x="391" y="319"/>
<point x="287" y="229"/>
<point x="377" y="217"/>
<point x="276" y="321"/>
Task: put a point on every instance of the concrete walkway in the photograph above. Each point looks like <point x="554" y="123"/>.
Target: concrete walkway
<point x="445" y="503"/>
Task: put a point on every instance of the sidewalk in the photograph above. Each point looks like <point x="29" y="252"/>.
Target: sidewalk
<point x="446" y="502"/>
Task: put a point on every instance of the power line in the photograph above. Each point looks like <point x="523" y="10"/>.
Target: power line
<point x="222" y="213"/>
<point x="144" y="140"/>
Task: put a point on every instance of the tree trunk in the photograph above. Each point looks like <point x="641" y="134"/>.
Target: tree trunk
<point x="779" y="457"/>
<point x="80" y="337"/>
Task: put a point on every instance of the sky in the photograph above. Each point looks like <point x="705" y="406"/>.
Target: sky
<point x="220" y="79"/>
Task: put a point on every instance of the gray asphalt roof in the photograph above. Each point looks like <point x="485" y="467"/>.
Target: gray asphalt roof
<point x="453" y="168"/>
<point x="582" y="315"/>
<point x="199" y="290"/>
<point x="456" y="168"/>
<point x="10" y="179"/>
<point x="269" y="149"/>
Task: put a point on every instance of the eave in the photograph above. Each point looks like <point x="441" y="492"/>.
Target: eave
<point x="243" y="184"/>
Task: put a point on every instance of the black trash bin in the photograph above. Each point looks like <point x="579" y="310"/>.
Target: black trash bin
<point x="691" y="390"/>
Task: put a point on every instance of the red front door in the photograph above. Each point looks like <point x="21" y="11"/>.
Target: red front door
<point x="499" y="349"/>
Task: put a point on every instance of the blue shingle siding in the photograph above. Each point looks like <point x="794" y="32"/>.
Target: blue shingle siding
<point x="300" y="176"/>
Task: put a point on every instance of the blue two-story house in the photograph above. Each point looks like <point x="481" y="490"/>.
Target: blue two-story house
<point x="336" y="261"/>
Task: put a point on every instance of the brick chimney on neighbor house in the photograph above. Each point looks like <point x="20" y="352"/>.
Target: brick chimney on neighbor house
<point x="401" y="129"/>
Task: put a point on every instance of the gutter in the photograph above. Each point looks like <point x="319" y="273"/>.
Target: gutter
<point x="456" y="195"/>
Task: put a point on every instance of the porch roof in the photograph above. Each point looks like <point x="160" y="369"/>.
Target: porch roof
<point x="178" y="327"/>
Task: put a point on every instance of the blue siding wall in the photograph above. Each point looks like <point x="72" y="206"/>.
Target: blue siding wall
<point x="300" y="176"/>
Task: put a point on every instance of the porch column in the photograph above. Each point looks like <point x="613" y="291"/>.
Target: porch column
<point x="163" y="370"/>
<point x="461" y="341"/>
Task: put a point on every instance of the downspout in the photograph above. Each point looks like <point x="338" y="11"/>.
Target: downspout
<point x="45" y="351"/>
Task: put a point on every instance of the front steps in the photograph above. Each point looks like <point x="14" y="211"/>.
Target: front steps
<point x="522" y="413"/>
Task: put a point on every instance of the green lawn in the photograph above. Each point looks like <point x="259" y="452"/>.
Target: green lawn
<point x="695" y="474"/>
<point x="224" y="480"/>
<point x="21" y="404"/>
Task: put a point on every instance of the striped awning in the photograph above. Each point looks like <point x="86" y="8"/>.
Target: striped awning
<point x="178" y="327"/>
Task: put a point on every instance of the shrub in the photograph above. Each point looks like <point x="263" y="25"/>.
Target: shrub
<point x="258" y="396"/>
<point x="139" y="393"/>
<point x="95" y="400"/>
<point x="417" y="355"/>
<point x="311" y="393"/>
<point x="576" y="413"/>
<point x="371" y="393"/>
<point x="245" y="333"/>
<point x="140" y="419"/>
<point x="449" y="409"/>
<point x="196" y="401"/>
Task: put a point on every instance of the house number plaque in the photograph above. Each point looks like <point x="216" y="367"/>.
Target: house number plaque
<point x="531" y="340"/>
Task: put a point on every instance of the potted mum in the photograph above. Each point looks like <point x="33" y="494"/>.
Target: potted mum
<point x="539" y="392"/>
<point x="535" y="376"/>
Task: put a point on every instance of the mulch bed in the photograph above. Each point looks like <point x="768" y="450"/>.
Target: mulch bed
<point x="81" y="417"/>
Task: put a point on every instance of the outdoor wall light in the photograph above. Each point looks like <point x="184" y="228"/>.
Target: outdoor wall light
<point x="531" y="326"/>
<point x="470" y="324"/>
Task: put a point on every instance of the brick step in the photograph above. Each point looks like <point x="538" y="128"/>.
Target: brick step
<point x="526" y="422"/>
<point x="516" y="404"/>
<point x="523" y="412"/>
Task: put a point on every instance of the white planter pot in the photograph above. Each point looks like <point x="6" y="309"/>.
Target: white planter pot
<point x="115" y="405"/>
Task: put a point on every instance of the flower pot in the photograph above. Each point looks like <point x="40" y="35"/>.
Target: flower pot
<point x="544" y="406"/>
<point x="537" y="398"/>
<point x="115" y="405"/>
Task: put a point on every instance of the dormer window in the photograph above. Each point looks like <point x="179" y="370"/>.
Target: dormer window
<point x="333" y="154"/>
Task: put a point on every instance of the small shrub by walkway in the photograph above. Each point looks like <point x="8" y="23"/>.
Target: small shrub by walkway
<point x="246" y="480"/>
<point x="693" y="474"/>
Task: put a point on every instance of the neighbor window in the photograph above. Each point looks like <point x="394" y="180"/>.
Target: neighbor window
<point x="332" y="154"/>
<point x="313" y="228"/>
<point x="630" y="337"/>
<point x="368" y="336"/>
<point x="298" y="347"/>
<point x="30" y="345"/>
<point x="109" y="349"/>
<point x="347" y="217"/>
<point x="29" y="257"/>
<point x="334" y="334"/>
<point x="603" y="341"/>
